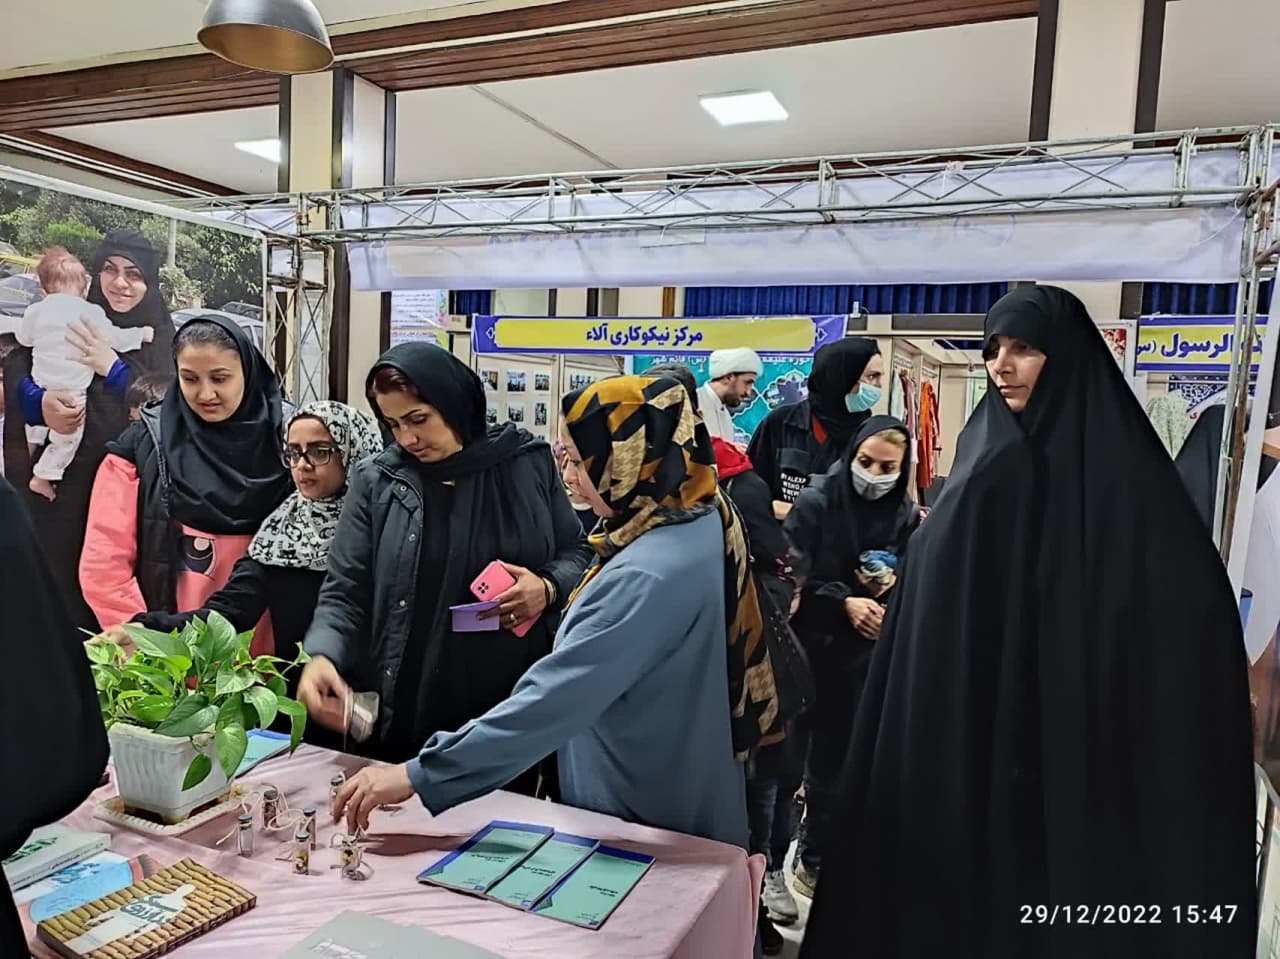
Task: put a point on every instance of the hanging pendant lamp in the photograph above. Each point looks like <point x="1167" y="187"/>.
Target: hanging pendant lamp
<point x="278" y="36"/>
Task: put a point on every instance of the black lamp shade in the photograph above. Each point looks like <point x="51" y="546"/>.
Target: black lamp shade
<point x="278" y="36"/>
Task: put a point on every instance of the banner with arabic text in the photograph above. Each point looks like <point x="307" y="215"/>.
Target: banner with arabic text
<point x="1189" y="344"/>
<point x="634" y="336"/>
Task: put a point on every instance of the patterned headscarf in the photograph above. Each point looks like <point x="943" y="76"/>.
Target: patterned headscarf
<point x="299" y="532"/>
<point x="652" y="461"/>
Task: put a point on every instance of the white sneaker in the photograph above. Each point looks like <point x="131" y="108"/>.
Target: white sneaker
<point x="778" y="899"/>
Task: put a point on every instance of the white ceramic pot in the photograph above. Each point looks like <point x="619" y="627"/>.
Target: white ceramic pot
<point x="150" y="769"/>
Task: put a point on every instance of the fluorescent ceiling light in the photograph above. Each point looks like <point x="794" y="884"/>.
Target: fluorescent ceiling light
<point x="747" y="106"/>
<point x="267" y="149"/>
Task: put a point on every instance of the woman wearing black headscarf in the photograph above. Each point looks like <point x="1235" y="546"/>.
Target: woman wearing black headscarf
<point x="56" y="747"/>
<point x="126" y="284"/>
<point x="1056" y="722"/>
<point x="181" y="493"/>
<point x="803" y="439"/>
<point x="421" y="522"/>
<point x="849" y="530"/>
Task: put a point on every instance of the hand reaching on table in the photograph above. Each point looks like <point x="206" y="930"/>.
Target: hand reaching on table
<point x="368" y="789"/>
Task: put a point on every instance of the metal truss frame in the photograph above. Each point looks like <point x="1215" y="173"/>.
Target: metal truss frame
<point x="804" y="191"/>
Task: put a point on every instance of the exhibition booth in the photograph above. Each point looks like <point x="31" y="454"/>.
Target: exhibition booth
<point x="1197" y="206"/>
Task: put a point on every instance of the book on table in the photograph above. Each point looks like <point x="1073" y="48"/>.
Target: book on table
<point x="150" y="918"/>
<point x="49" y="849"/>
<point x="565" y="877"/>
<point x="349" y="935"/>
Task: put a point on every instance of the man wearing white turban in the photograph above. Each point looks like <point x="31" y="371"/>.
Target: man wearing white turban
<point x="733" y="375"/>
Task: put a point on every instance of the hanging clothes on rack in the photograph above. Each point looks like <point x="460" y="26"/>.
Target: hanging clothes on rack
<point x="909" y="402"/>
<point x="928" y="437"/>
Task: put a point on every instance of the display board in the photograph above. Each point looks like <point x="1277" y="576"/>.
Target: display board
<point x="520" y="390"/>
<point x="785" y="380"/>
<point x="418" y="315"/>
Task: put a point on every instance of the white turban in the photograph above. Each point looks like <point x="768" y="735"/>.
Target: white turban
<point x="726" y="362"/>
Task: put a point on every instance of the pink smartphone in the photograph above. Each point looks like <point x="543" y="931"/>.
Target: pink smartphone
<point x="492" y="583"/>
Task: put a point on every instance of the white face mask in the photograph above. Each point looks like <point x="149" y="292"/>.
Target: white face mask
<point x="872" y="487"/>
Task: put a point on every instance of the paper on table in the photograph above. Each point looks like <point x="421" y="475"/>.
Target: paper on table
<point x="263" y="744"/>
<point x="487" y="856"/>
<point x="554" y="859"/>
<point x="356" y="934"/>
<point x="588" y="895"/>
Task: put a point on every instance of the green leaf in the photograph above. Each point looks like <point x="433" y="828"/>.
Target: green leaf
<point x="244" y="643"/>
<point x="278" y="686"/>
<point x="231" y="743"/>
<point x="266" y="702"/>
<point x="177" y="666"/>
<point x="191" y="715"/>
<point x="151" y="710"/>
<point x="157" y="679"/>
<point x="198" y="771"/>
<point x="99" y="654"/>
<point x="155" y="643"/>
<point x="221" y="641"/>
<point x="232" y="681"/>
<point x="297" y="714"/>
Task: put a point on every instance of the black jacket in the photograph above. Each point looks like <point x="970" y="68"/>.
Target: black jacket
<point x="786" y="453"/>
<point x="769" y="548"/>
<point x="365" y="617"/>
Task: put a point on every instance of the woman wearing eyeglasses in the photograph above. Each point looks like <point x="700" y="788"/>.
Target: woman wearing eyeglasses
<point x="284" y="568"/>
<point x="180" y="495"/>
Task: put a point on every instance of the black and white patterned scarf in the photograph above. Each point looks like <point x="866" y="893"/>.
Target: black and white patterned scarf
<point x="299" y="532"/>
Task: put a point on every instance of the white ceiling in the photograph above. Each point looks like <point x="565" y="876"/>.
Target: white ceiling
<point x="959" y="86"/>
<point x="200" y="145"/>
<point x="71" y="30"/>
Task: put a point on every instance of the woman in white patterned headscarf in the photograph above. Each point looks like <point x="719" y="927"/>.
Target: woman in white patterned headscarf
<point x="286" y="562"/>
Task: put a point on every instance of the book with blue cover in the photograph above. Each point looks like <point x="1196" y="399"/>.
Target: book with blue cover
<point x="588" y="896"/>
<point x="556" y="858"/>
<point x="487" y="857"/>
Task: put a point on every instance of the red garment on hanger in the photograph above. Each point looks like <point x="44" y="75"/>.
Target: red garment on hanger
<point x="930" y="430"/>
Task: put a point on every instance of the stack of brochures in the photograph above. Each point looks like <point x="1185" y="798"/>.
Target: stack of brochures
<point x="538" y="870"/>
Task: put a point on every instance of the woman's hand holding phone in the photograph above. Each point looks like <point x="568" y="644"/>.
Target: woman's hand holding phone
<point x="521" y="603"/>
<point x="325" y="694"/>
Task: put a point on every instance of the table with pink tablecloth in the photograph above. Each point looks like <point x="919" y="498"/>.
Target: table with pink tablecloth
<point x="698" y="901"/>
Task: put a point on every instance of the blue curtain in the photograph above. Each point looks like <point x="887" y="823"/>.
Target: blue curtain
<point x="820" y="300"/>
<point x="1191" y="299"/>
<point x="466" y="302"/>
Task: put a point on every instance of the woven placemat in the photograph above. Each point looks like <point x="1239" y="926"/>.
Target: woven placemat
<point x="213" y="901"/>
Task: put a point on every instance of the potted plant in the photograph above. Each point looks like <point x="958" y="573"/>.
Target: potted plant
<point x="178" y="711"/>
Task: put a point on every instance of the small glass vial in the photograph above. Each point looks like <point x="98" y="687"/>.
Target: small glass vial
<point x="309" y="823"/>
<point x="270" y="807"/>
<point x="302" y="851"/>
<point x="245" y="834"/>
<point x="335" y="784"/>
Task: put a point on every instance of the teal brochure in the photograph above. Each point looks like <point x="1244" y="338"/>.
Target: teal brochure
<point x="591" y="892"/>
<point x="555" y="859"/>
<point x="487" y="857"/>
<point x="263" y="744"/>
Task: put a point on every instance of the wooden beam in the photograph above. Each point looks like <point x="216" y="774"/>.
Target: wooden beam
<point x="676" y="38"/>
<point x="96" y="158"/>
<point x="202" y="83"/>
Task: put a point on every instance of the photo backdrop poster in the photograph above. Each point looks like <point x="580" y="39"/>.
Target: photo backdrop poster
<point x="785" y="380"/>
<point x="148" y="267"/>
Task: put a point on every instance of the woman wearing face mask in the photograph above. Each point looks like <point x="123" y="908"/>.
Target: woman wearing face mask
<point x="126" y="285"/>
<point x="1057" y="711"/>
<point x="282" y="572"/>
<point x="422" y="522"/>
<point x="181" y="494"/>
<point x="805" y="438"/>
<point x="849" y="531"/>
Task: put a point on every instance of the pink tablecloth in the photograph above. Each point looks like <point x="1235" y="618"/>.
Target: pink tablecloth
<point x="698" y="900"/>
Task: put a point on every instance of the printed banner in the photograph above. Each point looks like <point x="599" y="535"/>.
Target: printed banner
<point x="636" y="336"/>
<point x="1186" y="344"/>
<point x="785" y="380"/>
